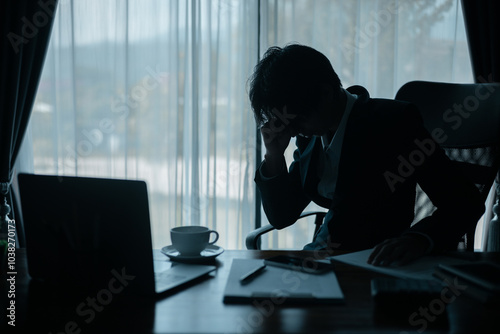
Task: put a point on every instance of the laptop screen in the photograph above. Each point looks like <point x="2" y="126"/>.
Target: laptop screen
<point x="87" y="231"/>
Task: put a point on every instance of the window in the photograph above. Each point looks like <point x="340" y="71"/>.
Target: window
<point x="379" y="44"/>
<point x="157" y="90"/>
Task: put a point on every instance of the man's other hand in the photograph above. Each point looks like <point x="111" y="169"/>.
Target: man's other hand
<point x="399" y="251"/>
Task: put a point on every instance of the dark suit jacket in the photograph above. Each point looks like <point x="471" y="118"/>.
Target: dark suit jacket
<point x="386" y="151"/>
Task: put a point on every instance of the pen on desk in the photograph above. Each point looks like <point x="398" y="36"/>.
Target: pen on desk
<point x="252" y="274"/>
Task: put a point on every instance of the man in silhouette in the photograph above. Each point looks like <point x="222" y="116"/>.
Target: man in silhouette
<point x="359" y="157"/>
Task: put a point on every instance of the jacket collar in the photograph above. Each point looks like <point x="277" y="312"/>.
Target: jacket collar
<point x="311" y="147"/>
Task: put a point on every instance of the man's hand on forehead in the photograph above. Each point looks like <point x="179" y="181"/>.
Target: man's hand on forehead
<point x="279" y="117"/>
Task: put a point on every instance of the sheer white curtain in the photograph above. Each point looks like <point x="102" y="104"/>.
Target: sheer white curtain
<point x="378" y="44"/>
<point x="156" y="90"/>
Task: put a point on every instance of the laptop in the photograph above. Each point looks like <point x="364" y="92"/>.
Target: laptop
<point x="95" y="233"/>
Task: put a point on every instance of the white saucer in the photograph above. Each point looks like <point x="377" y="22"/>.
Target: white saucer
<point x="207" y="255"/>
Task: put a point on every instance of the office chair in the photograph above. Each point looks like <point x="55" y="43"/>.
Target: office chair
<point x="468" y="116"/>
<point x="253" y="238"/>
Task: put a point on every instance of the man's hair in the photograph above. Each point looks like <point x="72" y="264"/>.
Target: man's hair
<point x="291" y="76"/>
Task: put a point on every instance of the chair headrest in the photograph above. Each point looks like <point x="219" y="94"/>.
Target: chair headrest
<point x="462" y="114"/>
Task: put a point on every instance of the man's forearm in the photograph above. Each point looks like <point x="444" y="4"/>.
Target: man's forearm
<point x="273" y="165"/>
<point x="282" y="197"/>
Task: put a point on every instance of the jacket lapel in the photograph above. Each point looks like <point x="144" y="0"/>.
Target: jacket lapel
<point x="309" y="164"/>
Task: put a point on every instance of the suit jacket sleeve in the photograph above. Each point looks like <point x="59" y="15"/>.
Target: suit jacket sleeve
<point x="283" y="198"/>
<point x="458" y="202"/>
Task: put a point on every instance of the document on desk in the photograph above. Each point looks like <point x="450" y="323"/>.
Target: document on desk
<point x="420" y="269"/>
<point x="280" y="285"/>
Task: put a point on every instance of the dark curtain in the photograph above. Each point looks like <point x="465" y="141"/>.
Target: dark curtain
<point x="483" y="34"/>
<point x="26" y="27"/>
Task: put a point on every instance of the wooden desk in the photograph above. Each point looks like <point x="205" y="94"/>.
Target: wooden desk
<point x="198" y="308"/>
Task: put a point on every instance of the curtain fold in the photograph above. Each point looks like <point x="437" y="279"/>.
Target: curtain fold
<point x="26" y="27"/>
<point x="483" y="34"/>
<point x="155" y="90"/>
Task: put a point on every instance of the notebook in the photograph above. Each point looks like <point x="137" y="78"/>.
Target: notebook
<point x="280" y="285"/>
<point x="95" y="233"/>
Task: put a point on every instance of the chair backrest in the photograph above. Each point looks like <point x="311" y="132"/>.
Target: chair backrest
<point x="465" y="121"/>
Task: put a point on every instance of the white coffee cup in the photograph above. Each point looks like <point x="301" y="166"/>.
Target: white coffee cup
<point x="192" y="240"/>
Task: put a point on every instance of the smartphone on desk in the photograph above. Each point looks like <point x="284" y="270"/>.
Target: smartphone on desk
<point x="306" y="265"/>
